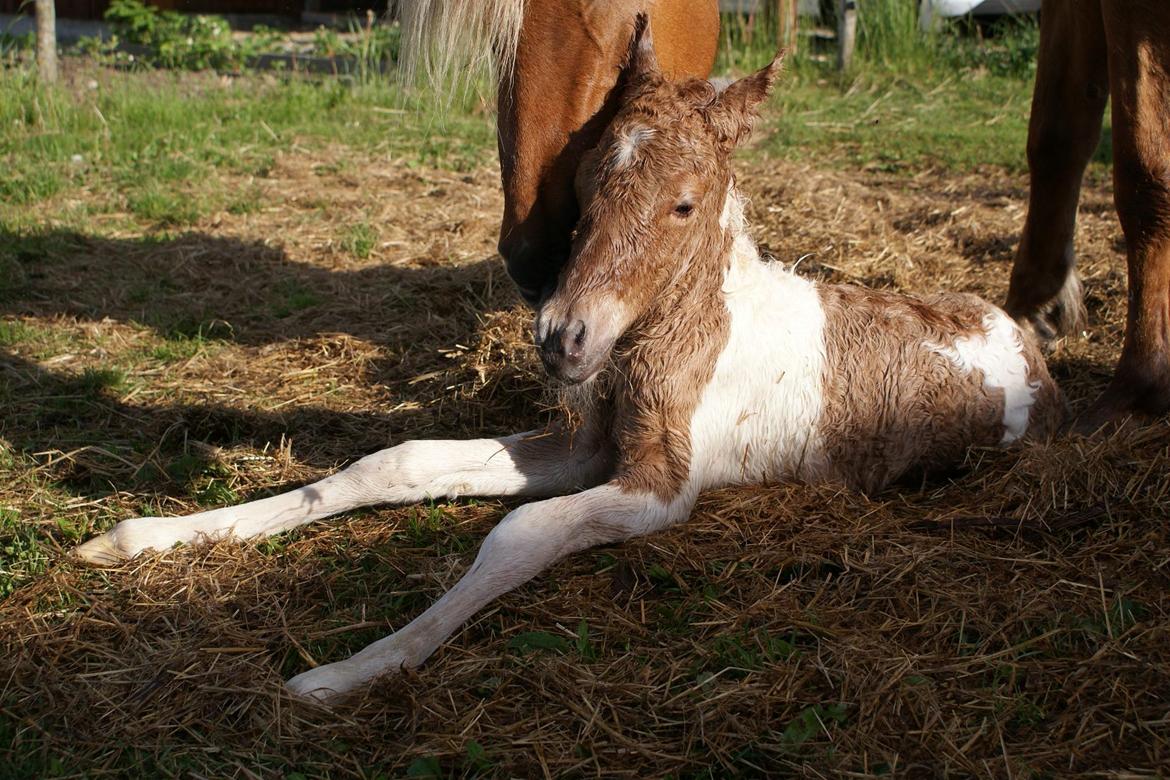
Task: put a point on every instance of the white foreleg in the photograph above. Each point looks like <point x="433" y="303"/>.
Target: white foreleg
<point x="531" y="464"/>
<point x="527" y="541"/>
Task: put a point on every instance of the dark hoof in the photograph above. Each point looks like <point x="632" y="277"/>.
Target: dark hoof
<point x="1124" y="403"/>
<point x="1061" y="316"/>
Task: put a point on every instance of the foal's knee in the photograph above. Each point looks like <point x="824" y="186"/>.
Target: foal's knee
<point x="522" y="545"/>
<point x="405" y="466"/>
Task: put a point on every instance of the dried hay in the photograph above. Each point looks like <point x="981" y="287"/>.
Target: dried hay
<point x="1010" y="620"/>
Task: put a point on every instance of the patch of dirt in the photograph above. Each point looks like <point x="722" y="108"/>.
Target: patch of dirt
<point x="1011" y="620"/>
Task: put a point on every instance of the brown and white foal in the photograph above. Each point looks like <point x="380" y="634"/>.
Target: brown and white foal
<point x="697" y="364"/>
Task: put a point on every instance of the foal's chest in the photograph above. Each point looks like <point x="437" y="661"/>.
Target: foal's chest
<point x="757" y="418"/>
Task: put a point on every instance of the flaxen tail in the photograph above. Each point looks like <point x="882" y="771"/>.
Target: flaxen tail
<point x="450" y="42"/>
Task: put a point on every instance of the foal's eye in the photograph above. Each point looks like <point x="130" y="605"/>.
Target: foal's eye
<point x="683" y="209"/>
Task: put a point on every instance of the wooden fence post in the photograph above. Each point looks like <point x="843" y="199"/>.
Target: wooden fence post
<point x="846" y="32"/>
<point x="46" y="41"/>
<point x="787" y="24"/>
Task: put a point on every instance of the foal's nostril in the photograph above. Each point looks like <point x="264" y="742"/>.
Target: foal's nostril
<point x="574" y="347"/>
<point x="552" y="345"/>
<point x="563" y="347"/>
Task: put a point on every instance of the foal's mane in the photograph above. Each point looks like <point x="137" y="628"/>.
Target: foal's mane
<point x="449" y="41"/>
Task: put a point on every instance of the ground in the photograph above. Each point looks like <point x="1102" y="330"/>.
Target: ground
<point x="326" y="299"/>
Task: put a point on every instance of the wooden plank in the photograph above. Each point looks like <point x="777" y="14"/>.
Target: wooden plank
<point x="846" y="32"/>
<point x="47" y="41"/>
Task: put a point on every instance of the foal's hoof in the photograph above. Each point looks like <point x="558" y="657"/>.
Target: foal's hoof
<point x="101" y="551"/>
<point x="322" y="685"/>
<point x="126" y="540"/>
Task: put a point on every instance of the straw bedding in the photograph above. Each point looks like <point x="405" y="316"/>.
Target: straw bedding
<point x="1008" y="620"/>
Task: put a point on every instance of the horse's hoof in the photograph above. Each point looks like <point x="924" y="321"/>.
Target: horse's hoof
<point x="1062" y="316"/>
<point x="1124" y="402"/>
<point x="1101" y="421"/>
<point x="101" y="551"/>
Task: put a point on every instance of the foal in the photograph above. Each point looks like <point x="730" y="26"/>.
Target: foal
<point x="697" y="364"/>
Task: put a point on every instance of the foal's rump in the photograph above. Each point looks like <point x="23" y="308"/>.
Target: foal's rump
<point x="910" y="383"/>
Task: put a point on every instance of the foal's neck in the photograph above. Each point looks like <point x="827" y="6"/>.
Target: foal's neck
<point x="662" y="366"/>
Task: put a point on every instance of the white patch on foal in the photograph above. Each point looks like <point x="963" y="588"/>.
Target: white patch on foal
<point x="757" y="418"/>
<point x="627" y="145"/>
<point x="998" y="354"/>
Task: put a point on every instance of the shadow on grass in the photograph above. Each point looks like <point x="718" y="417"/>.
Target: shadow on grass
<point x="248" y="292"/>
<point x="97" y="443"/>
<point x="196" y="286"/>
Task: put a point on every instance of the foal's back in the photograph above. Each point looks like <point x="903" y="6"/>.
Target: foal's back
<point x="910" y="383"/>
<point x="841" y="383"/>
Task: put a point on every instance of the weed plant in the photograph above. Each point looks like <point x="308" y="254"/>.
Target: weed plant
<point x="144" y="36"/>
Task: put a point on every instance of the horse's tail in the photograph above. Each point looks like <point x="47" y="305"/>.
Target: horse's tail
<point x="449" y="41"/>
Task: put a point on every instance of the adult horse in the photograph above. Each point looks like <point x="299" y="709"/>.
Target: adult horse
<point x="1089" y="50"/>
<point x="559" y="62"/>
<point x="558" y="68"/>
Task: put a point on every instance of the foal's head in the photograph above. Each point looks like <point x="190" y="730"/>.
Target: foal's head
<point x="557" y="101"/>
<point x="657" y="198"/>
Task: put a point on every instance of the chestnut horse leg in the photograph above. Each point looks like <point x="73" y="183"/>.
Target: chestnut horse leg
<point x="1139" y="73"/>
<point x="1067" y="105"/>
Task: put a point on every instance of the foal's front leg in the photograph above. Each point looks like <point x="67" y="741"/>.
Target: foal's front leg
<point x="527" y="464"/>
<point x="526" y="542"/>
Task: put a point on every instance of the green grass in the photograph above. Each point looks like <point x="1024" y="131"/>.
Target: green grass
<point x="36" y="340"/>
<point x="21" y="553"/>
<point x="183" y="347"/>
<point x="955" y="99"/>
<point x="95" y="380"/>
<point x="151" y="142"/>
<point x="880" y="122"/>
<point x="14" y="332"/>
<point x="888" y="40"/>
<point x="293" y="297"/>
<point x="166" y="206"/>
<point x="426" y="524"/>
<point x="360" y="239"/>
<point x="251" y="199"/>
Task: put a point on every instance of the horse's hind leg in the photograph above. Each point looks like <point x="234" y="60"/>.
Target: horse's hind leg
<point x="1139" y="71"/>
<point x="527" y="464"/>
<point x="1067" y="105"/>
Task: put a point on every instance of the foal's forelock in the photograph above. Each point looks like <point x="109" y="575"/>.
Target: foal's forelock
<point x="630" y="238"/>
<point x="660" y="219"/>
<point x="627" y="262"/>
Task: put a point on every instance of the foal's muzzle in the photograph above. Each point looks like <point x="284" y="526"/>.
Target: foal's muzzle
<point x="563" y="352"/>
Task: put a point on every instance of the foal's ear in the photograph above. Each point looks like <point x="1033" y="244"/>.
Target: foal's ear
<point x="736" y="108"/>
<point x="641" y="62"/>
